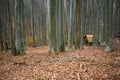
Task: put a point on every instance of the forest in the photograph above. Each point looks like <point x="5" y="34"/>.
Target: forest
<point x="59" y="39"/>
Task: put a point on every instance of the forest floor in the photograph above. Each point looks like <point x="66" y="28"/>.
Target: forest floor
<point x="87" y="64"/>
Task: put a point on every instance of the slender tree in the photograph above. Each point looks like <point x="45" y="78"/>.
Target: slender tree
<point x="107" y="28"/>
<point x="77" y="25"/>
<point x="33" y="23"/>
<point x="38" y="30"/>
<point x="94" y="23"/>
<point x="103" y="25"/>
<point x="1" y="41"/>
<point x="57" y="21"/>
<point x="4" y="29"/>
<point x="70" y="27"/>
<point x="82" y="27"/>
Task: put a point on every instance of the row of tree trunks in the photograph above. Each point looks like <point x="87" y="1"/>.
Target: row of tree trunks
<point x="66" y="21"/>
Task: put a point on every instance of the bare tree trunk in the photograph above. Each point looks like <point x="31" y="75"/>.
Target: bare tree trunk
<point x="4" y="28"/>
<point x="60" y="26"/>
<point x="51" y="26"/>
<point x="82" y="28"/>
<point x="108" y="48"/>
<point x="19" y="44"/>
<point x="1" y="39"/>
<point x="33" y="25"/>
<point x="10" y="31"/>
<point x="94" y="23"/>
<point x="77" y="25"/>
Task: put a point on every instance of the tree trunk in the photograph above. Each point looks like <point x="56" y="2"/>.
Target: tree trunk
<point x="57" y="22"/>
<point x="77" y="25"/>
<point x="94" y="23"/>
<point x="33" y="25"/>
<point x="38" y="31"/>
<point x="70" y="28"/>
<point x="107" y="28"/>
<point x="4" y="29"/>
<point x="1" y="39"/>
<point x="10" y="31"/>
<point x="19" y="44"/>
<point x="60" y="27"/>
<point x="51" y="26"/>
<point x="82" y="28"/>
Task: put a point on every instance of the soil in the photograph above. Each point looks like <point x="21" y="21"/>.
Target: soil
<point x="37" y="64"/>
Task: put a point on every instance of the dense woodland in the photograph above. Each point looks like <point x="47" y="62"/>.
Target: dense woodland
<point x="59" y="39"/>
<point x="57" y="23"/>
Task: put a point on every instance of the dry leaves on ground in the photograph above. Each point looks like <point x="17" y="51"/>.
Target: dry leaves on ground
<point x="37" y="64"/>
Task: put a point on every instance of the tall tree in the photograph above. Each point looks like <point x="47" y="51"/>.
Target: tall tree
<point x="103" y="24"/>
<point x="51" y="26"/>
<point x="69" y="14"/>
<point x="60" y="26"/>
<point x="107" y="27"/>
<point x="77" y="25"/>
<point x="10" y="30"/>
<point x="33" y="23"/>
<point x="57" y="21"/>
<point x="4" y="29"/>
<point x="17" y="10"/>
<point x="94" y="22"/>
<point x="82" y="25"/>
<point x="70" y="27"/>
<point x="38" y="30"/>
<point x="1" y="41"/>
<point x="44" y="28"/>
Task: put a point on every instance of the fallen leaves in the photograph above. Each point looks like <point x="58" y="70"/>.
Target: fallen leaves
<point x="37" y="64"/>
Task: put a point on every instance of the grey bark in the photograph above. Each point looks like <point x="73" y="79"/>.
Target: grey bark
<point x="17" y="25"/>
<point x="51" y="26"/>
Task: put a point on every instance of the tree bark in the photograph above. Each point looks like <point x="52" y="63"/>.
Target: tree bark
<point x="82" y="28"/>
<point x="19" y="44"/>
<point x="33" y="23"/>
<point x="10" y="31"/>
<point x="60" y="27"/>
<point x="51" y="26"/>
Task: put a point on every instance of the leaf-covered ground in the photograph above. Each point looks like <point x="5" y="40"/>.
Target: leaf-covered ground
<point x="37" y="64"/>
